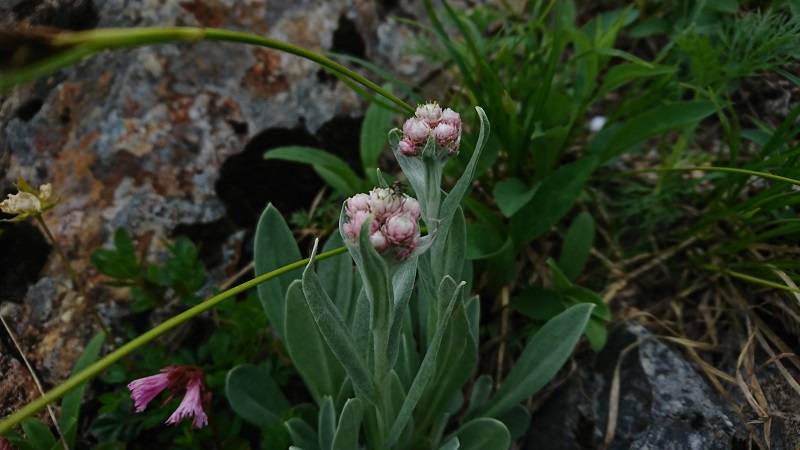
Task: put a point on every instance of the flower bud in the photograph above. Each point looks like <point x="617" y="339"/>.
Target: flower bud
<point x="447" y="135"/>
<point x="430" y="113"/>
<point x="358" y="202"/>
<point x="45" y="192"/>
<point x="407" y="147"/>
<point x="411" y="208"/>
<point x="384" y="202"/>
<point x="416" y="130"/>
<point x="400" y="229"/>
<point x="353" y="227"/>
<point x="451" y="117"/>
<point x="379" y="241"/>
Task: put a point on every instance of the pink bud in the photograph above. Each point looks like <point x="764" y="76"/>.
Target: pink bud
<point x="383" y="202"/>
<point x="447" y="135"/>
<point x="400" y="229"/>
<point x="451" y="117"/>
<point x="430" y="113"/>
<point x="407" y="147"/>
<point x="358" y="202"/>
<point x="411" y="208"/>
<point x="416" y="130"/>
<point x="353" y="227"/>
<point x="378" y="240"/>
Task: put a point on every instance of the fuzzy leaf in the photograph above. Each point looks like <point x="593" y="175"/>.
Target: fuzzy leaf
<point x="302" y="434"/>
<point x="254" y="395"/>
<point x="484" y="433"/>
<point x="326" y="424"/>
<point x="346" y="437"/>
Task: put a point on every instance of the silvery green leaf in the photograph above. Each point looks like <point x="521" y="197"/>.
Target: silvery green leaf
<point x="408" y="361"/>
<point x="321" y="371"/>
<point x="254" y="395"/>
<point x="360" y="325"/>
<point x="543" y="356"/>
<point x="447" y="289"/>
<point x="397" y="393"/>
<point x="453" y="200"/>
<point x="452" y="444"/>
<point x="517" y="420"/>
<point x="375" y="276"/>
<point x="448" y="252"/>
<point x="336" y="275"/>
<point x="302" y="434"/>
<point x="428" y="308"/>
<point x="484" y="433"/>
<point x="326" y="424"/>
<point x="403" y="286"/>
<point x="346" y="392"/>
<point x="333" y="329"/>
<point x="346" y="437"/>
<point x="473" y="308"/>
<point x="481" y="390"/>
<point x="274" y="247"/>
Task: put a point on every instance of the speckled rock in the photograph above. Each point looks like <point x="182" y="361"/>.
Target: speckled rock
<point x="140" y="139"/>
<point x="664" y="403"/>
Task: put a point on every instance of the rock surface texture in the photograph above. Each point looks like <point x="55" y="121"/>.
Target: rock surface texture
<point x="663" y="403"/>
<point x="167" y="140"/>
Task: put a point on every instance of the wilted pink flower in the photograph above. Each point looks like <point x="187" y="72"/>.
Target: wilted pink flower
<point x="4" y="444"/>
<point x="430" y="113"/>
<point x="144" y="390"/>
<point x="447" y="135"/>
<point x="191" y="405"/>
<point x="407" y="147"/>
<point x="416" y="130"/>
<point x="175" y="379"/>
<point x="395" y="221"/>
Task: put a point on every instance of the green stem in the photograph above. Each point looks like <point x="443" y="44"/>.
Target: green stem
<point x="755" y="173"/>
<point x="99" y="366"/>
<point x="85" y="43"/>
<point x="752" y="279"/>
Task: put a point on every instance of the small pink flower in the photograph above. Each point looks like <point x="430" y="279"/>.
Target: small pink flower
<point x="430" y="113"/>
<point x="353" y="226"/>
<point x="379" y="241"/>
<point x="451" y="117"/>
<point x="383" y="202"/>
<point x="4" y="444"/>
<point x="358" y="202"/>
<point x="400" y="229"/>
<point x="175" y="379"/>
<point x="416" y="130"/>
<point x="447" y="136"/>
<point x="144" y="390"/>
<point x="407" y="147"/>
<point x="411" y="207"/>
<point x="191" y="405"/>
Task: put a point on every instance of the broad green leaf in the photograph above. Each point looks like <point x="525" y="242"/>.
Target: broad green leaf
<point x="302" y="434"/>
<point x="71" y="403"/>
<point x="346" y="437"/>
<point x="538" y="303"/>
<point x="336" y="276"/>
<point x="254" y="395"/>
<point x="403" y="286"/>
<point x="447" y="290"/>
<point x="552" y="200"/>
<point x="329" y="167"/>
<point x="274" y="247"/>
<point x="38" y="435"/>
<point x="376" y="125"/>
<point x="617" y="139"/>
<point x="484" y="433"/>
<point x="321" y="371"/>
<point x="596" y="333"/>
<point x="448" y="259"/>
<point x="452" y="444"/>
<point x="333" y="329"/>
<point x="543" y="356"/>
<point x="517" y="420"/>
<point x="577" y="245"/>
<point x="622" y="74"/>
<point x="512" y="194"/>
<point x="326" y="424"/>
<point x="481" y="390"/>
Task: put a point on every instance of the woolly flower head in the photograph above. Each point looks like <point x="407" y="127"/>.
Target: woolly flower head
<point x="395" y="220"/>
<point x="431" y="121"/>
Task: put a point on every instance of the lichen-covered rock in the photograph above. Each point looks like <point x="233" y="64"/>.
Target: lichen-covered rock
<point x="139" y="138"/>
<point x="664" y="403"/>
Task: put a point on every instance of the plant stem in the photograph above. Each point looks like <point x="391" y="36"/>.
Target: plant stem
<point x="99" y="366"/>
<point x="76" y="281"/>
<point x="81" y="44"/>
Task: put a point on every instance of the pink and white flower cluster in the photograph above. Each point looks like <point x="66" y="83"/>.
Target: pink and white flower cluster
<point x="430" y="120"/>
<point x="174" y="379"/>
<point x="395" y="222"/>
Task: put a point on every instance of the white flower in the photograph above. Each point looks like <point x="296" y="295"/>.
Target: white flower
<point x="597" y="123"/>
<point x="21" y="203"/>
<point x="430" y="113"/>
<point x="416" y="130"/>
<point x="45" y="191"/>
